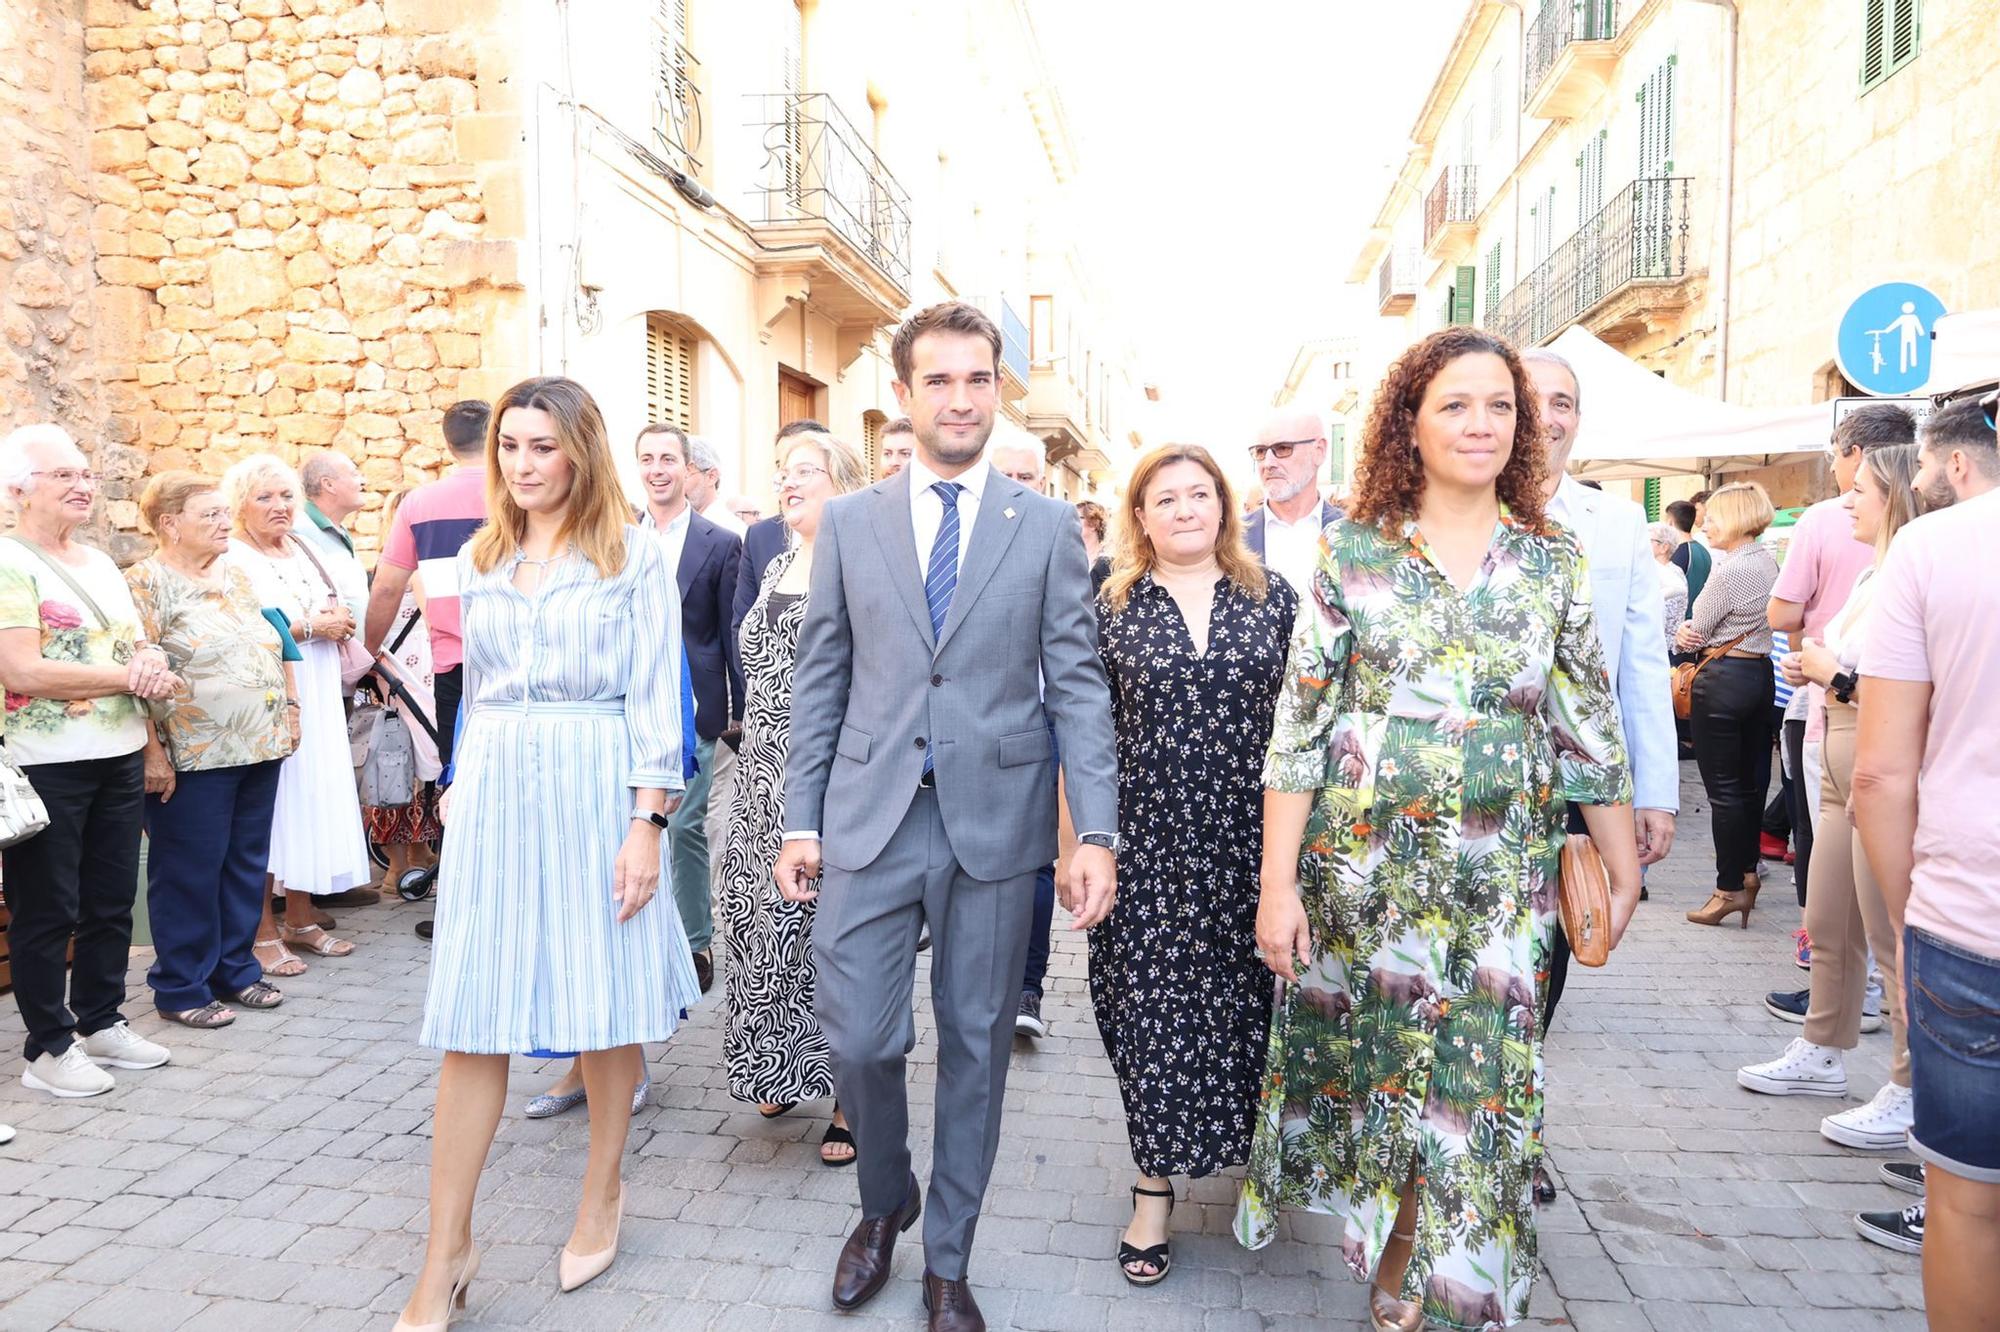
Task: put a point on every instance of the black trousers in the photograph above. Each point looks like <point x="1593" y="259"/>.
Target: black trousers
<point x="1778" y="812"/>
<point x="1802" y="807"/>
<point x="447" y="690"/>
<point x="1559" y="954"/>
<point x="1731" y="718"/>
<point x="79" y="875"/>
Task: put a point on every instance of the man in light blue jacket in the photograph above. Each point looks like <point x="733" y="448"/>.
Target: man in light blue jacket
<point x="1625" y="592"/>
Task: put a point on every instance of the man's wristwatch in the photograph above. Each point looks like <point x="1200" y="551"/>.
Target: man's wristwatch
<point x="653" y="817"/>
<point x="1843" y="685"/>
<point x="1106" y="841"/>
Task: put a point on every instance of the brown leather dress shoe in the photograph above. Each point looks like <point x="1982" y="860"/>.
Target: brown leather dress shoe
<point x="951" y="1306"/>
<point x="865" y="1258"/>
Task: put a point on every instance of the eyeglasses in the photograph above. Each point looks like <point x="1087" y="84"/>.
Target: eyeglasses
<point x="69" y="476"/>
<point x="1281" y="450"/>
<point x="796" y="476"/>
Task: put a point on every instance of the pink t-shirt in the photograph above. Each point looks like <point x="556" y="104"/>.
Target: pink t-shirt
<point x="1821" y="566"/>
<point x="1936" y="618"/>
<point x="431" y="525"/>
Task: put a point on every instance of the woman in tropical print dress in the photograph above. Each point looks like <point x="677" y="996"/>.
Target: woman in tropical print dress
<point x="772" y="1044"/>
<point x="1193" y="634"/>
<point x="1445" y="695"/>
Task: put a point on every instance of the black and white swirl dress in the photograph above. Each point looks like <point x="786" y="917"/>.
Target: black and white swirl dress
<point x="772" y="1043"/>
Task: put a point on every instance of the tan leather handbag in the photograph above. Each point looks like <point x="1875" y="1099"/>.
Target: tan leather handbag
<point x="1583" y="898"/>
<point x="1685" y="672"/>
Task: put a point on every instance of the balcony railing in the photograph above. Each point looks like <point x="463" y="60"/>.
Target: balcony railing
<point x="1013" y="341"/>
<point x="1396" y="282"/>
<point x="677" y="127"/>
<point x="1559" y="23"/>
<point x="1641" y="235"/>
<point x="1453" y="200"/>
<point x="819" y="167"/>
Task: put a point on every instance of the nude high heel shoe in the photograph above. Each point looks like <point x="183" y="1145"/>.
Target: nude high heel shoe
<point x="452" y="1305"/>
<point x="1386" y="1313"/>
<point x="573" y="1269"/>
<point x="1722" y="905"/>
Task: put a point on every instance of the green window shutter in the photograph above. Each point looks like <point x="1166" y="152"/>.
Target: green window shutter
<point x="1492" y="281"/>
<point x="1336" y="451"/>
<point x="1874" y="26"/>
<point x="1902" y="33"/>
<point x="1652" y="499"/>
<point x="1461" y="293"/>
<point x="1667" y="115"/>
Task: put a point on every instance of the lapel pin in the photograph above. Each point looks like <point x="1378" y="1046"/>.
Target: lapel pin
<point x="1008" y="512"/>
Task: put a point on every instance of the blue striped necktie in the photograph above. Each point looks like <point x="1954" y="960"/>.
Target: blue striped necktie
<point x="941" y="580"/>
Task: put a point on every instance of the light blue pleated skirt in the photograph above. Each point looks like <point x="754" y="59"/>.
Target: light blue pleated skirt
<point x="527" y="953"/>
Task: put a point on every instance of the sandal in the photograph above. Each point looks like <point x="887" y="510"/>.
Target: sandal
<point x="288" y="963"/>
<point x="837" y="1135"/>
<point x="1155" y="1255"/>
<point x="206" y="1018"/>
<point x="258" y="994"/>
<point x="316" y="941"/>
<point x="1386" y="1311"/>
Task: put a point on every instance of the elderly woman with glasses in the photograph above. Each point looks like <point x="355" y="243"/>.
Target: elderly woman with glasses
<point x="1673" y="583"/>
<point x="75" y="663"/>
<point x="212" y="756"/>
<point x="317" y="846"/>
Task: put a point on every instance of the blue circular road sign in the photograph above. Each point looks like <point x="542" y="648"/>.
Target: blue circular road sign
<point x="1884" y="344"/>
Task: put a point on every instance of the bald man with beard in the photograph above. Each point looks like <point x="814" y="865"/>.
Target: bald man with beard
<point x="1284" y="533"/>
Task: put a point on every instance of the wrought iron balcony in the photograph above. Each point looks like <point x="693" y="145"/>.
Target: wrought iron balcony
<point x="677" y="127"/>
<point x="1396" y="282"/>
<point x="1625" y="264"/>
<point x="1450" y="212"/>
<point x="1570" y="55"/>
<point x="819" y="169"/>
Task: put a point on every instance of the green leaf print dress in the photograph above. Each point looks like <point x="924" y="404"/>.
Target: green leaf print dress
<point x="1442" y="731"/>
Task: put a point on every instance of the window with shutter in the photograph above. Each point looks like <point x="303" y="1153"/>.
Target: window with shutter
<point x="1890" y="33"/>
<point x="1590" y="178"/>
<point x="677" y="102"/>
<point x="1656" y="122"/>
<point x="794" y="58"/>
<point x="871" y="441"/>
<point x="1462" y="289"/>
<point x="670" y="359"/>
<point x="1336" y="451"/>
<point x="1492" y="281"/>
<point x="1495" y="102"/>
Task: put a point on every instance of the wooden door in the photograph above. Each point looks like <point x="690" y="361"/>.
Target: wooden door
<point x="795" y="398"/>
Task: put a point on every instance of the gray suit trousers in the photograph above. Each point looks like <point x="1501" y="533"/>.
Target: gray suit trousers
<point x="865" y="944"/>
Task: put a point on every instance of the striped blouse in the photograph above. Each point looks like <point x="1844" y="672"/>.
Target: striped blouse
<point x="582" y="638"/>
<point x="1737" y="599"/>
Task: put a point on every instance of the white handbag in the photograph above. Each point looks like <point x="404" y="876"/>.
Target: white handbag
<point x="22" y="813"/>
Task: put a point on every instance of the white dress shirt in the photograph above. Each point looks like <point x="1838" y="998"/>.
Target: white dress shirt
<point x="1292" y="549"/>
<point x="927" y="510"/>
<point x="718" y="513"/>
<point x="673" y="537"/>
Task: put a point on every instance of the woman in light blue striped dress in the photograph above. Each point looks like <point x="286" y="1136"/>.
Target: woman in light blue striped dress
<point x="548" y="936"/>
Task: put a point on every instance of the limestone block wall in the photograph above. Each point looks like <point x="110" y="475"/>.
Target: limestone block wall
<point x="305" y="226"/>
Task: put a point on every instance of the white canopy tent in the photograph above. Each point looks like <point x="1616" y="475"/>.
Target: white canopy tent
<point x="1636" y="424"/>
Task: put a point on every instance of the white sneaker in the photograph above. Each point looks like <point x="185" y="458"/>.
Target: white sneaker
<point x="68" y="1074"/>
<point x="121" y="1047"/>
<point x="1804" y="1069"/>
<point x="1879" y="1126"/>
<point x="6" y="1134"/>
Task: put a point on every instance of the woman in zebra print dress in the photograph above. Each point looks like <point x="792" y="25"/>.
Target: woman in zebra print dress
<point x="776" y="1054"/>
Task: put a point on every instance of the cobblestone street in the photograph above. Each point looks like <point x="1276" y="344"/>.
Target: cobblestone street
<point x="273" y="1176"/>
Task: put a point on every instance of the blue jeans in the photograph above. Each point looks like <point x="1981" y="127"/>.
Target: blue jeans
<point x="1954" y="1055"/>
<point x="1038" y="930"/>
<point x="205" y="882"/>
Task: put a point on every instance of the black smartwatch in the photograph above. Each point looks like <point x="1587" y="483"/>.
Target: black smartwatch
<point x="656" y="819"/>
<point x="1843" y="686"/>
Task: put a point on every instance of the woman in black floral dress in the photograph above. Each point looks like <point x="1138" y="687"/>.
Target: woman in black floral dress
<point x="1193" y="636"/>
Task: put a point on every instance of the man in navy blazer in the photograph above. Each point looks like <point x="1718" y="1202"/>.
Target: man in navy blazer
<point x="705" y="559"/>
<point x="1283" y="532"/>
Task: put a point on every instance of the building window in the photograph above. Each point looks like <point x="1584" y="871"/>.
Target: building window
<point x="669" y="373"/>
<point x="1889" y="33"/>
<point x="1458" y="296"/>
<point x="1336" y="452"/>
<point x="1492" y="281"/>
<point x="1042" y="328"/>
<point x="871" y="440"/>
<point x="1656" y="122"/>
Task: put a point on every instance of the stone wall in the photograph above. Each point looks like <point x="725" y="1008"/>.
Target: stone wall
<point x="51" y="328"/>
<point x="294" y="227"/>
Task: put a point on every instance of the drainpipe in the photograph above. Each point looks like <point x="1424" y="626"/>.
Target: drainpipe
<point x="1520" y="123"/>
<point x="1727" y="207"/>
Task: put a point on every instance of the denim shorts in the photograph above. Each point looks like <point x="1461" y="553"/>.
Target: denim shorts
<point x="1954" y="1055"/>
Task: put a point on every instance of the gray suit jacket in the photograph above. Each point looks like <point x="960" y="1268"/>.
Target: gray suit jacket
<point x="1018" y="653"/>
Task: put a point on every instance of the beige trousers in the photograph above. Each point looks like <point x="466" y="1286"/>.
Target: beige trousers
<point x="1845" y="915"/>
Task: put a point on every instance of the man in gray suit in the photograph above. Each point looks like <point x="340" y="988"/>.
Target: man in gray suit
<point x="952" y="594"/>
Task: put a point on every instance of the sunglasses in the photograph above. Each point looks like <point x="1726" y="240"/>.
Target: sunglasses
<point x="1281" y="450"/>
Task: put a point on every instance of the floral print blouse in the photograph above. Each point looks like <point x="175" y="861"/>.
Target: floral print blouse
<point x="34" y="596"/>
<point x="231" y="710"/>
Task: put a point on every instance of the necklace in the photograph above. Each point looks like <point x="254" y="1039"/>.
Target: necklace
<point x="546" y="560"/>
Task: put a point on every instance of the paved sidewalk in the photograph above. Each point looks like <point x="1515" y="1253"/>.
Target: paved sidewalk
<point x="274" y="1175"/>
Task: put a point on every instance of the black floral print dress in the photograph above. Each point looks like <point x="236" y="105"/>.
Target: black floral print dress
<point x="1182" y="999"/>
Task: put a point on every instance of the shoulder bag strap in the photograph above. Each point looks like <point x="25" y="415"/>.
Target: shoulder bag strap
<point x="324" y="576"/>
<point x="64" y="574"/>
<point x="403" y="633"/>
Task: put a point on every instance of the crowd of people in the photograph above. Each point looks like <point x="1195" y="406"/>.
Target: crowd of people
<point x="1303" y="767"/>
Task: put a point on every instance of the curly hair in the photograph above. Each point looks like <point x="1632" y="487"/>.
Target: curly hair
<point x="1389" y="479"/>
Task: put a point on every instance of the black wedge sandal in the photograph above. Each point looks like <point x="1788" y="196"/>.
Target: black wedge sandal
<point x="1158" y="1255"/>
